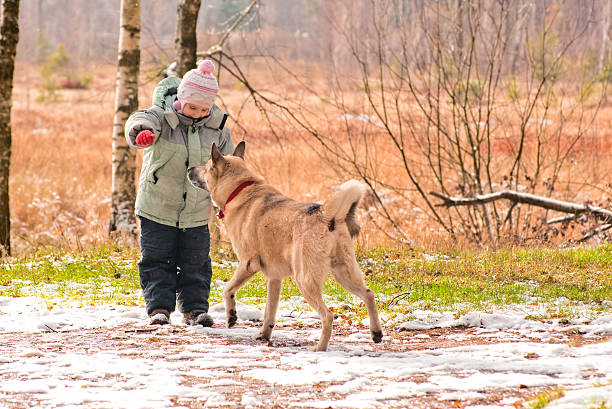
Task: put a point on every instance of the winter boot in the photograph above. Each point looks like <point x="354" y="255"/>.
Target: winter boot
<point x="159" y="317"/>
<point x="198" y="317"/>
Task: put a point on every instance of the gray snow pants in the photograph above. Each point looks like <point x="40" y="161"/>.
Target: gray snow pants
<point x="175" y="266"/>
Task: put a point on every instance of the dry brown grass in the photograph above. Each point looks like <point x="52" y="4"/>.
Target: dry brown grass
<point x="61" y="164"/>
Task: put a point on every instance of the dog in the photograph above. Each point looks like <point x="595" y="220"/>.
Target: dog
<point x="282" y="237"/>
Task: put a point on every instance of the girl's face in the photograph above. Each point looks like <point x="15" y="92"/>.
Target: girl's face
<point x="196" y="111"/>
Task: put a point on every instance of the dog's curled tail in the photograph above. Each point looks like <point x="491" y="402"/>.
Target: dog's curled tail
<point x="340" y="207"/>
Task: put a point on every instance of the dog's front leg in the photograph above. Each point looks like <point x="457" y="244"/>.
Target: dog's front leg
<point x="274" y="289"/>
<point x="241" y="276"/>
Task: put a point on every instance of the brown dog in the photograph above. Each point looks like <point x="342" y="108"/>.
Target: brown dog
<point x="282" y="237"/>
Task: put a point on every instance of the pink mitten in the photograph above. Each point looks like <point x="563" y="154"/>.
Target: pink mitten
<point x="145" y="138"/>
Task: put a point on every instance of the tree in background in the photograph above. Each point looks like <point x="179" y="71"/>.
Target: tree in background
<point x="229" y="11"/>
<point x="122" y="218"/>
<point x="185" y="42"/>
<point x="292" y="27"/>
<point x="9" y="37"/>
<point x="468" y="98"/>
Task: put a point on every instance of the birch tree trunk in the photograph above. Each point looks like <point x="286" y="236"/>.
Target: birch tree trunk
<point x="605" y="36"/>
<point x="185" y="43"/>
<point x="9" y="36"/>
<point x="122" y="218"/>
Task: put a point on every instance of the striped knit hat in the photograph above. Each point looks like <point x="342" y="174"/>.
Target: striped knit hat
<point x="198" y="87"/>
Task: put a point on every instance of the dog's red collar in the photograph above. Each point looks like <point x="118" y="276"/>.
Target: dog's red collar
<point x="220" y="213"/>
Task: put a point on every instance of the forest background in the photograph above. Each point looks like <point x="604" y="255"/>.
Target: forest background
<point x="481" y="128"/>
<point x="455" y="98"/>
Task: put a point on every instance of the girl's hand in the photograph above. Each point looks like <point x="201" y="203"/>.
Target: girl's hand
<point x="145" y="138"/>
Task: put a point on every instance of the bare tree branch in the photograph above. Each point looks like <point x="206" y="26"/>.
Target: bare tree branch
<point x="517" y="197"/>
<point x="562" y="219"/>
<point x="594" y="232"/>
<point x="217" y="48"/>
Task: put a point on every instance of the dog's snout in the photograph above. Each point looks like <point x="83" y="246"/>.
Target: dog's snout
<point x="195" y="175"/>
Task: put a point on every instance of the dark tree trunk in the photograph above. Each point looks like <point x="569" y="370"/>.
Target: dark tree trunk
<point x="9" y="37"/>
<point x="122" y="218"/>
<point x="185" y="43"/>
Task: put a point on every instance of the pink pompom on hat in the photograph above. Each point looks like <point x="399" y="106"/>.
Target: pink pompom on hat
<point x="198" y="86"/>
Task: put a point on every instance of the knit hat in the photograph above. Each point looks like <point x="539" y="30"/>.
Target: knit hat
<point x="198" y="86"/>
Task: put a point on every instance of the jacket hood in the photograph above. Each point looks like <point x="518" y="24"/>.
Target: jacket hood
<point x="164" y="96"/>
<point x="212" y="120"/>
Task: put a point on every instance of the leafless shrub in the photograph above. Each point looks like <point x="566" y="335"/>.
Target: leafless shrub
<point x="457" y="97"/>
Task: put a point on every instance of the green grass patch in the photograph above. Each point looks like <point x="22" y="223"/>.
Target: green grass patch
<point x="107" y="274"/>
<point x="579" y="274"/>
<point x="545" y="398"/>
<point x="410" y="278"/>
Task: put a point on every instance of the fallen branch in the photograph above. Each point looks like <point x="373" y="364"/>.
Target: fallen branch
<point x="398" y="297"/>
<point x="563" y="219"/>
<point x="594" y="232"/>
<point x="517" y="197"/>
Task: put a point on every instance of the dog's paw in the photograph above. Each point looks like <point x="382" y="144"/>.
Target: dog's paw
<point x="231" y="320"/>
<point x="260" y="336"/>
<point x="377" y="336"/>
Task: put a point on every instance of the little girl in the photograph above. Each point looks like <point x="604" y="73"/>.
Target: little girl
<point x="177" y="133"/>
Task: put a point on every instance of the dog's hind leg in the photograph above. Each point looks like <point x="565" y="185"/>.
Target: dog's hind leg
<point x="349" y="276"/>
<point x="242" y="274"/>
<point x="311" y="289"/>
<point x="274" y="289"/>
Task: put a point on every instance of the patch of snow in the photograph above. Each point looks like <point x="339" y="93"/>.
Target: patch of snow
<point x="355" y="372"/>
<point x="351" y="402"/>
<point x="349" y="387"/>
<point x="461" y="396"/>
<point x="589" y="397"/>
<point x="249" y="400"/>
<point x="245" y="312"/>
<point x="507" y="318"/>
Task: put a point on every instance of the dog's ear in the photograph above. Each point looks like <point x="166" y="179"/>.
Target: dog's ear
<point x="215" y="155"/>
<point x="239" y="151"/>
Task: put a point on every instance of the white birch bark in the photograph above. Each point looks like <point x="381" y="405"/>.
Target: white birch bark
<point x="605" y="35"/>
<point x="122" y="218"/>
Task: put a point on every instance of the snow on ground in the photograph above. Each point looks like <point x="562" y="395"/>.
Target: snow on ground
<point x="106" y="357"/>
